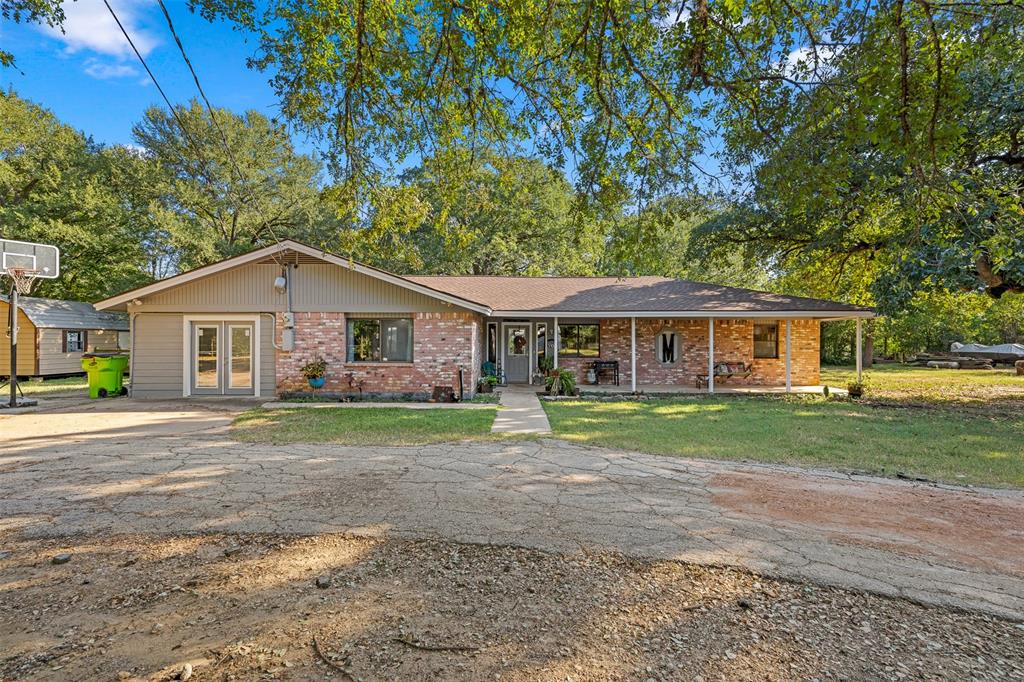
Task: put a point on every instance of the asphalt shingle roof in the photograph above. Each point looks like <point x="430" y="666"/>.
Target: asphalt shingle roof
<point x="615" y="294"/>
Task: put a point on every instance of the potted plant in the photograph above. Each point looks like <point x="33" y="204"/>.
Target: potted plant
<point x="487" y="384"/>
<point x="314" y="371"/>
<point x="546" y="365"/>
<point x="856" y="388"/>
<point x="561" y="382"/>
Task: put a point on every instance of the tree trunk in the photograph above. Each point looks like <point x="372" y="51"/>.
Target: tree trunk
<point x="868" y="347"/>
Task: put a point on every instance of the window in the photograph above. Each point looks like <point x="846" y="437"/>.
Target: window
<point x="542" y="343"/>
<point x="385" y="340"/>
<point x="492" y="342"/>
<point x="666" y="347"/>
<point x="579" y="340"/>
<point x="74" y="341"/>
<point x="766" y="340"/>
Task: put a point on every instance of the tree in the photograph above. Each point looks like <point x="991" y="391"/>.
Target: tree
<point x="59" y="188"/>
<point x="659" y="240"/>
<point x="229" y="203"/>
<point x="481" y="214"/>
<point x="47" y="12"/>
<point x="904" y="163"/>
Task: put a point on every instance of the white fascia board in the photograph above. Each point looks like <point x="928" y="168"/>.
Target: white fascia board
<point x="694" y="314"/>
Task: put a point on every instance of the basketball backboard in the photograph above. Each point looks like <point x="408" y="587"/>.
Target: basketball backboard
<point x="38" y="260"/>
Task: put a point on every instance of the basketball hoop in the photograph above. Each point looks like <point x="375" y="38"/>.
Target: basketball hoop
<point x="23" y="279"/>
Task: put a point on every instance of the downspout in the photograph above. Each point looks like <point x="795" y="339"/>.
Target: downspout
<point x="131" y="353"/>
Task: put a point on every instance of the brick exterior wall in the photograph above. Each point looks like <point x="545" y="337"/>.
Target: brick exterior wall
<point x="442" y="344"/>
<point x="734" y="342"/>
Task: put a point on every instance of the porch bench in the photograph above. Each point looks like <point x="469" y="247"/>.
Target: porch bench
<point x="727" y="370"/>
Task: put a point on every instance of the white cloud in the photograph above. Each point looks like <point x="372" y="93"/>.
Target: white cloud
<point x="675" y="16"/>
<point x="89" y="26"/>
<point x="104" y="70"/>
<point x="800" y="63"/>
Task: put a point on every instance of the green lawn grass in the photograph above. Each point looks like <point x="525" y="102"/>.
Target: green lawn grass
<point x="41" y="389"/>
<point x="922" y="384"/>
<point x="364" y="426"/>
<point x="805" y="432"/>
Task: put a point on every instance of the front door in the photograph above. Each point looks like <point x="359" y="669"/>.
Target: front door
<point x="517" y="354"/>
<point x="222" y="358"/>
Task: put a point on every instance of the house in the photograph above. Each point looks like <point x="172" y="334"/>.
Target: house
<point x="53" y="334"/>
<point x="247" y="325"/>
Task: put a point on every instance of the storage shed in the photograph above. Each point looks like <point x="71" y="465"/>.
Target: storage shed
<point x="53" y="334"/>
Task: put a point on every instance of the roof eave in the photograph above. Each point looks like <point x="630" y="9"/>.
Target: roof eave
<point x="699" y="314"/>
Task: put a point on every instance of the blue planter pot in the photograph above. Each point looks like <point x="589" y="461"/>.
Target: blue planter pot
<point x="317" y="383"/>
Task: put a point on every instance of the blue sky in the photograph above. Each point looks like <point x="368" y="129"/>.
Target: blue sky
<point x="90" y="78"/>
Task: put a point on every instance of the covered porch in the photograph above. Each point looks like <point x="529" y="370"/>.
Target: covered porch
<point x="742" y="353"/>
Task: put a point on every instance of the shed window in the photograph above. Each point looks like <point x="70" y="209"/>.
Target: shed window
<point x="766" y="340"/>
<point x="74" y="341"/>
<point x="579" y="340"/>
<point x="380" y="340"/>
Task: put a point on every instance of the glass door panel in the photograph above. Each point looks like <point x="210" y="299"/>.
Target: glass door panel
<point x="240" y="364"/>
<point x="206" y="358"/>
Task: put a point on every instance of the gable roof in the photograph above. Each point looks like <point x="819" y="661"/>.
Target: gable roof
<point x="55" y="313"/>
<point x="281" y="247"/>
<point x="564" y="296"/>
<point x="634" y="295"/>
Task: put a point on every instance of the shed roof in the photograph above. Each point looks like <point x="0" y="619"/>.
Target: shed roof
<point x="623" y="295"/>
<point x="55" y="313"/>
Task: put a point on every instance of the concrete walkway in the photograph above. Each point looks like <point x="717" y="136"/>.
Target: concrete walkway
<point x="520" y="412"/>
<point x="122" y="467"/>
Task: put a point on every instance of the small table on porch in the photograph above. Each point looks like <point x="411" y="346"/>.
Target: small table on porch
<point x="605" y="366"/>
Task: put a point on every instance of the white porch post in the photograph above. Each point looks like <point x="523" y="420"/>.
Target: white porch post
<point x="632" y="353"/>
<point x="859" y="351"/>
<point x="789" y="356"/>
<point x="557" y="343"/>
<point x="711" y="355"/>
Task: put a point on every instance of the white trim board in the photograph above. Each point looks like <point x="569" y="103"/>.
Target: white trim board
<point x="823" y="315"/>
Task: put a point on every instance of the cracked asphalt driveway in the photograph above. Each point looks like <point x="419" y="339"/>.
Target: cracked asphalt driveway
<point x="170" y="468"/>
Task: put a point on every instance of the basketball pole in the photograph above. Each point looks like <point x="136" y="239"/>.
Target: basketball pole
<point x="13" y="300"/>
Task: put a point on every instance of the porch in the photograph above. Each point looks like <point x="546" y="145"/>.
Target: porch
<point x="740" y="353"/>
<point x="676" y="389"/>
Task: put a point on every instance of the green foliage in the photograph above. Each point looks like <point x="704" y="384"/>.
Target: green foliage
<point x="47" y="12"/>
<point x="561" y="382"/>
<point x="314" y="369"/>
<point x="97" y="204"/>
<point x="224" y="209"/>
<point x="465" y="213"/>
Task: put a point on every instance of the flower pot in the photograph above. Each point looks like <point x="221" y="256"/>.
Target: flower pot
<point x="317" y="382"/>
<point x="486" y="388"/>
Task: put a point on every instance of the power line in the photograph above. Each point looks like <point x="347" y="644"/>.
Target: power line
<point x="216" y="124"/>
<point x="181" y="123"/>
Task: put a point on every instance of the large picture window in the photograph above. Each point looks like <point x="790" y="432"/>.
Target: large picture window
<point x="766" y="339"/>
<point x="380" y="340"/>
<point x="579" y="340"/>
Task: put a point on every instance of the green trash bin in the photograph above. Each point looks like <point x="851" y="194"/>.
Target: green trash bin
<point x="106" y="374"/>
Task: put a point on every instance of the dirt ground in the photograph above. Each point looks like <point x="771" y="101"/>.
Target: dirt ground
<point x="923" y="521"/>
<point x="248" y="607"/>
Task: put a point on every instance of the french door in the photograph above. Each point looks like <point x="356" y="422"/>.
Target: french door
<point x="222" y="358"/>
